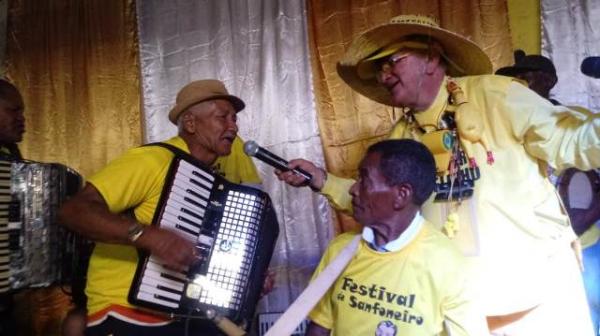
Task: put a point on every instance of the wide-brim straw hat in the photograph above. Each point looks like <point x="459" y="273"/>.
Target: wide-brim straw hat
<point x="463" y="57"/>
<point x="201" y="91"/>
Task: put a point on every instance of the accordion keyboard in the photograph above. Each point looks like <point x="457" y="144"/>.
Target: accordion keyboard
<point x="183" y="213"/>
<point x="5" y="200"/>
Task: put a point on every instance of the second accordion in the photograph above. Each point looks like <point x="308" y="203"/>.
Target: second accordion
<point x="35" y="251"/>
<point x="234" y="228"/>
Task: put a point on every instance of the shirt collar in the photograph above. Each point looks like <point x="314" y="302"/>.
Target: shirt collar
<point x="432" y="115"/>
<point x="403" y="239"/>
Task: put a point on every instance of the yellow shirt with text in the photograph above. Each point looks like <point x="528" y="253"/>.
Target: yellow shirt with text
<point x="410" y="291"/>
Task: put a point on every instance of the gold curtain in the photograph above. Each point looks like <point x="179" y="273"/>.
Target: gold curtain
<point x="525" y="25"/>
<point x="349" y="122"/>
<point x="76" y="64"/>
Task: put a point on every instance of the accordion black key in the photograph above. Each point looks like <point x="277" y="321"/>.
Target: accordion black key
<point x="34" y="250"/>
<point x="235" y="230"/>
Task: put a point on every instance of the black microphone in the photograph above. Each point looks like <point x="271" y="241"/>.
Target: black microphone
<point x="253" y="149"/>
<point x="591" y="66"/>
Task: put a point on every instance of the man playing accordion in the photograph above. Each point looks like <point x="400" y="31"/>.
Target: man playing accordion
<point x="205" y="114"/>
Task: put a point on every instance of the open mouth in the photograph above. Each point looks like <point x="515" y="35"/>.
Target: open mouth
<point x="229" y="138"/>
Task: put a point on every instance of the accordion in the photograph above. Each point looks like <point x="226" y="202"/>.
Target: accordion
<point x="234" y="228"/>
<point x="34" y="250"/>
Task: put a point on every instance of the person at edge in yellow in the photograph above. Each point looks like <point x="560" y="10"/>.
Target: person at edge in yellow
<point x="205" y="114"/>
<point x="406" y="276"/>
<point x="490" y="136"/>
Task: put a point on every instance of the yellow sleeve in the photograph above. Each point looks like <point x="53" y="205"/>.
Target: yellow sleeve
<point x="131" y="178"/>
<point x="237" y="167"/>
<point x="462" y="314"/>
<point x="590" y="237"/>
<point x="337" y="191"/>
<point x="556" y="134"/>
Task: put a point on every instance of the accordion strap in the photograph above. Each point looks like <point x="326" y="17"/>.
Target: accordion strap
<point x="292" y="317"/>
<point x="179" y="152"/>
<point x="174" y="149"/>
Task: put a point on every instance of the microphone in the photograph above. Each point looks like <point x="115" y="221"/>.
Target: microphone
<point x="253" y="149"/>
<point x="591" y="66"/>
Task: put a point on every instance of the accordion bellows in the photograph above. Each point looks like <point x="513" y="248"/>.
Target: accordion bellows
<point x="34" y="250"/>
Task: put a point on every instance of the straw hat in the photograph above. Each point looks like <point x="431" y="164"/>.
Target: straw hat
<point x="462" y="56"/>
<point x="201" y="91"/>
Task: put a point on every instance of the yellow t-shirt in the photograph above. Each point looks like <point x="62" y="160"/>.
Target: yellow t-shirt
<point x="411" y="290"/>
<point x="135" y="181"/>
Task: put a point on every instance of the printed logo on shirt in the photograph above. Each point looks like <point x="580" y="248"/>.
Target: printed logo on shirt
<point x="386" y="328"/>
<point x="377" y="300"/>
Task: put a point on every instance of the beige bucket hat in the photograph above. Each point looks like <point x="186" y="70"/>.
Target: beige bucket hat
<point x="462" y="56"/>
<point x="201" y="91"/>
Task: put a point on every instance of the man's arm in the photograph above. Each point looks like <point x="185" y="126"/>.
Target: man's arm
<point x="462" y="311"/>
<point x="555" y="134"/>
<point x="316" y="330"/>
<point x="335" y="188"/>
<point x="87" y="213"/>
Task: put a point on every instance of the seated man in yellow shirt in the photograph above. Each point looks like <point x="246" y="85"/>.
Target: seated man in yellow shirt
<point x="406" y="277"/>
<point x="206" y="116"/>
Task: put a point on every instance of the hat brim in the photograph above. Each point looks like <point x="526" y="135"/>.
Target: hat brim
<point x="513" y="71"/>
<point x="176" y="111"/>
<point x="468" y="57"/>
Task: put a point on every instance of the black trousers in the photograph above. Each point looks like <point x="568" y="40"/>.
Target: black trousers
<point x="116" y="327"/>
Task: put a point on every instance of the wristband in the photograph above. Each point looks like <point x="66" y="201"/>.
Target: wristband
<point x="134" y="231"/>
<point x="324" y="180"/>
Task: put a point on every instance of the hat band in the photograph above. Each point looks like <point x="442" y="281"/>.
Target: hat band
<point x="366" y="65"/>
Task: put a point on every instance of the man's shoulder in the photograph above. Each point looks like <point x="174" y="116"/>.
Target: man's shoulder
<point x="486" y="80"/>
<point x="139" y="160"/>
<point x="153" y="152"/>
<point x="433" y="239"/>
<point x="341" y="240"/>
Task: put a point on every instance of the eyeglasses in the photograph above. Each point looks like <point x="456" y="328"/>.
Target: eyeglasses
<point x="387" y="65"/>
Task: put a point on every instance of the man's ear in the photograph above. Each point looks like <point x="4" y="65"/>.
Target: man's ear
<point x="403" y="195"/>
<point x="187" y="120"/>
<point x="433" y="61"/>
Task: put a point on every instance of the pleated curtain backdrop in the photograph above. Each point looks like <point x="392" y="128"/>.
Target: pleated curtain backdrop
<point x="76" y="64"/>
